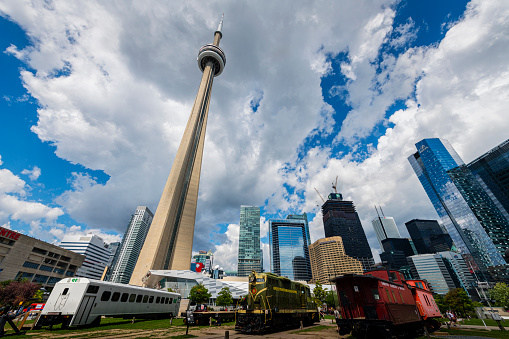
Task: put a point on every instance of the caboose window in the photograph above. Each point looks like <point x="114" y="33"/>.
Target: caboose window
<point x="388" y="295"/>
<point x="401" y="296"/>
<point x="394" y="296"/>
<point x="115" y="296"/>
<point x="375" y="294"/>
<point x="105" y="296"/>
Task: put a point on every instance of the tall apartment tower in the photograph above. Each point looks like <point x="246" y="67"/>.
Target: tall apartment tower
<point x="341" y="219"/>
<point x="289" y="252"/>
<point x="250" y="254"/>
<point x="328" y="260"/>
<point x="131" y="245"/>
<point x="492" y="171"/>
<point x="428" y="236"/>
<point x="385" y="227"/>
<point x="95" y="251"/>
<point x="477" y="227"/>
<point x="169" y="242"/>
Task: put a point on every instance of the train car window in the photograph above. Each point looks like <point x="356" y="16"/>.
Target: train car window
<point x="166" y="300"/>
<point x="376" y="295"/>
<point x="93" y="289"/>
<point x="105" y="296"/>
<point x="145" y="299"/>
<point x="115" y="296"/>
<point x="401" y="296"/>
<point x="138" y="298"/>
<point x="171" y="300"/>
<point x="151" y="299"/>
<point x="158" y="300"/>
<point x="388" y="295"/>
<point x="132" y="298"/>
<point x="394" y="296"/>
<point x="65" y="291"/>
<point x="124" y="298"/>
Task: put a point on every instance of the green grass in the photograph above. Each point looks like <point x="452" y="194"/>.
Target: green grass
<point x="489" y="322"/>
<point x="465" y="332"/>
<point x="312" y="329"/>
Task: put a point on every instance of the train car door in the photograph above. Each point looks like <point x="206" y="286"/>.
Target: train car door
<point x="84" y="310"/>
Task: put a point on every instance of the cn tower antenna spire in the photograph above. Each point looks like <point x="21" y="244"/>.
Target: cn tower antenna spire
<point x="220" y="27"/>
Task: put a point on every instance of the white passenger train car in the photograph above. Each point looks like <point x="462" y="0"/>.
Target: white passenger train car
<point x="81" y="301"/>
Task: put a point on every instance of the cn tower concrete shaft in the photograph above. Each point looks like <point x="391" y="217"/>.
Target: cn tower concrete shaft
<point x="169" y="240"/>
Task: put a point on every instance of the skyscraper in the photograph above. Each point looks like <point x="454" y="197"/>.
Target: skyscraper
<point x="432" y="268"/>
<point x="341" y="219"/>
<point x="428" y="236"/>
<point x="328" y="260"/>
<point x="492" y="170"/>
<point x="131" y="245"/>
<point x="169" y="242"/>
<point x="385" y="227"/>
<point x="475" y="224"/>
<point x="289" y="252"/>
<point x="95" y="252"/>
<point x="250" y="254"/>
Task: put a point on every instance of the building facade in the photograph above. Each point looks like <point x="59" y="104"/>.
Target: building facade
<point x="341" y="219"/>
<point x="289" y="252"/>
<point x="95" y="251"/>
<point x="170" y="240"/>
<point x="328" y="260"/>
<point x="398" y="244"/>
<point x="459" y="271"/>
<point x="431" y="267"/>
<point x="492" y="171"/>
<point x="477" y="227"/>
<point x="202" y="262"/>
<point x="250" y="254"/>
<point x="24" y="257"/>
<point x="131" y="245"/>
<point x="385" y="227"/>
<point x="428" y="236"/>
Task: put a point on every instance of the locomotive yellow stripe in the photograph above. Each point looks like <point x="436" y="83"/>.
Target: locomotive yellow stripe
<point x="261" y="291"/>
<point x="284" y="290"/>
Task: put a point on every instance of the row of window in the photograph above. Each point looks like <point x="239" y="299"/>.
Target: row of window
<point x="38" y="278"/>
<point x="140" y="298"/>
<point x="50" y="254"/>
<point x="47" y="268"/>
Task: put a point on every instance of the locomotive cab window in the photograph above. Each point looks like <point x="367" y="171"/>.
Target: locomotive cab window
<point x="65" y="291"/>
<point x="105" y="296"/>
<point x="260" y="280"/>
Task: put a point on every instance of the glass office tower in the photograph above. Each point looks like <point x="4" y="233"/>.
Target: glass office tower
<point x="492" y="170"/>
<point x="250" y="254"/>
<point x="289" y="254"/>
<point x="428" y="236"/>
<point x="475" y="224"/>
<point x="385" y="227"/>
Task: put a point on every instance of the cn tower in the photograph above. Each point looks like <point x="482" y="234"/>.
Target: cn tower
<point x="170" y="238"/>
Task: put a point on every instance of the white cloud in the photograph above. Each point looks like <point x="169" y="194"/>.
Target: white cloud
<point x="33" y="174"/>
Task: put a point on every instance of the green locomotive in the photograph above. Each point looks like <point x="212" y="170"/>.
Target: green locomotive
<point x="274" y="302"/>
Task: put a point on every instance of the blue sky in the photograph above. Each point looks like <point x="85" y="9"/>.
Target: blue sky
<point x="95" y="97"/>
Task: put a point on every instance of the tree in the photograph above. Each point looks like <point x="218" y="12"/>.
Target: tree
<point x="199" y="294"/>
<point x="440" y="301"/>
<point x="170" y="289"/>
<point x="459" y="301"/>
<point x="500" y="292"/>
<point x="12" y="293"/>
<point x="331" y="298"/>
<point x="319" y="293"/>
<point x="224" y="297"/>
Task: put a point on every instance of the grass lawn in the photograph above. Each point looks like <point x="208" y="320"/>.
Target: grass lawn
<point x="311" y="329"/>
<point x="108" y="324"/>
<point x="480" y="333"/>
<point x="489" y="322"/>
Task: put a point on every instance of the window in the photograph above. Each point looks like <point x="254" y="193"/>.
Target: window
<point x="116" y="296"/>
<point x="53" y="280"/>
<point x="41" y="279"/>
<point x="69" y="273"/>
<point x="46" y="268"/>
<point x="39" y="250"/>
<point x="65" y="291"/>
<point x="166" y="300"/>
<point x="158" y="300"/>
<point x="394" y="296"/>
<point x="24" y="275"/>
<point x="124" y="298"/>
<point x="388" y="295"/>
<point x="105" y="296"/>
<point x="59" y="271"/>
<point x="93" y="289"/>
<point x="145" y="299"/>
<point x="171" y="300"/>
<point x="132" y="298"/>
<point x="375" y="293"/>
<point x="151" y="299"/>
<point x="30" y="264"/>
<point x="138" y="298"/>
<point x="401" y="296"/>
<point x="65" y="258"/>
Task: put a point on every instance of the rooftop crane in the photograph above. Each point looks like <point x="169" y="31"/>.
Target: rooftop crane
<point x="319" y="195"/>
<point x="335" y="185"/>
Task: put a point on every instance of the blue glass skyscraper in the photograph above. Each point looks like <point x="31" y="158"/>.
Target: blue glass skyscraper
<point x="475" y="224"/>
<point x="289" y="253"/>
<point x="250" y="254"/>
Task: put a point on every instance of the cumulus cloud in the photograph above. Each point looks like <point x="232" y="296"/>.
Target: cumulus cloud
<point x="33" y="174"/>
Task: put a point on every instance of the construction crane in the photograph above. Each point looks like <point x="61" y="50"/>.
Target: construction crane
<point x="335" y="185"/>
<point x="319" y="195"/>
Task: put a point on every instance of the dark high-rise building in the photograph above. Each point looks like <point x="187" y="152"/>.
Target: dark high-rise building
<point x="478" y="228"/>
<point x="492" y="170"/>
<point x="398" y="244"/>
<point x="341" y="219"/>
<point x="289" y="253"/>
<point x="428" y="236"/>
<point x="396" y="259"/>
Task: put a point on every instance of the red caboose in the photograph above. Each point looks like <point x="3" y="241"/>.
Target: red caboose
<point x="379" y="304"/>
<point x="425" y="302"/>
